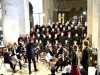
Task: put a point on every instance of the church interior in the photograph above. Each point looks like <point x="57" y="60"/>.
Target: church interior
<point x="63" y="35"/>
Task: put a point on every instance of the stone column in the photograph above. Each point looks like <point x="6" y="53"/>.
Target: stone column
<point x="90" y="19"/>
<point x="26" y="11"/>
<point x="93" y="22"/>
<point x="13" y="20"/>
<point x="99" y="38"/>
<point x="46" y="11"/>
<point x="94" y="26"/>
<point x="48" y="7"/>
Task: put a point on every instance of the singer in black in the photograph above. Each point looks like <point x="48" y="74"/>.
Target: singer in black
<point x="30" y="53"/>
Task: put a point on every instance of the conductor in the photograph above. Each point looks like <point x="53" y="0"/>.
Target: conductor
<point x="30" y="53"/>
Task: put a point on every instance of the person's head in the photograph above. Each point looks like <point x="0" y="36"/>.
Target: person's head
<point x="47" y="29"/>
<point x="53" y="29"/>
<point x="44" y="36"/>
<point x="69" y="27"/>
<point x="15" y="44"/>
<point x="82" y="71"/>
<point x="36" y="41"/>
<point x="55" y="35"/>
<point x="53" y="70"/>
<point x="62" y="34"/>
<point x="56" y="41"/>
<point x="60" y="26"/>
<point x="86" y="43"/>
<point x="5" y="50"/>
<point x="27" y="35"/>
<point x="37" y="30"/>
<point x="66" y="41"/>
<point x="29" y="40"/>
<point x="75" y="47"/>
<point x="40" y="41"/>
<point x="43" y="29"/>
<point x="64" y="29"/>
<point x="75" y="27"/>
<point x="76" y="35"/>
<point x="38" y="35"/>
<point x="49" y="36"/>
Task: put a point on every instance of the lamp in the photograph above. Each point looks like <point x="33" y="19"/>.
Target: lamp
<point x="61" y="6"/>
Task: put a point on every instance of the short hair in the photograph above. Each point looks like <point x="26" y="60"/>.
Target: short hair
<point x="86" y="42"/>
<point x="75" y="47"/>
<point x="82" y="71"/>
<point x="53" y="70"/>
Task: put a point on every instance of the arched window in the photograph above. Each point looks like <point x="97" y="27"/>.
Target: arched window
<point x="63" y="15"/>
<point x="59" y="17"/>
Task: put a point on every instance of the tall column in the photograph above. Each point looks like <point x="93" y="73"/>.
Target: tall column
<point x="90" y="19"/>
<point x="13" y="19"/>
<point x="94" y="28"/>
<point x="26" y="11"/>
<point x="93" y="22"/>
<point x="46" y="11"/>
<point x="99" y="39"/>
<point x="48" y="7"/>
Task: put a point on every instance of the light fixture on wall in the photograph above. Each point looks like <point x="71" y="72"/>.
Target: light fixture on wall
<point x="61" y="5"/>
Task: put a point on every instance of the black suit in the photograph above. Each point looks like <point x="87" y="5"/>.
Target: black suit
<point x="30" y="53"/>
<point x="85" y="58"/>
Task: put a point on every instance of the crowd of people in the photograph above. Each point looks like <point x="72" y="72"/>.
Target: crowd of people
<point x="62" y="41"/>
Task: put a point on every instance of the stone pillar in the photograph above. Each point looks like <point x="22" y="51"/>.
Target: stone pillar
<point x="99" y="38"/>
<point x="48" y="7"/>
<point x="93" y="22"/>
<point x="90" y="19"/>
<point x="46" y="11"/>
<point x="94" y="26"/>
<point x="26" y="11"/>
<point x="13" y="20"/>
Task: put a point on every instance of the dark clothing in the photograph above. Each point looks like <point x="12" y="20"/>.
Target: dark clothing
<point x="85" y="58"/>
<point x="26" y="39"/>
<point x="74" y="59"/>
<point x="30" y="53"/>
<point x="44" y="41"/>
<point x="20" y="39"/>
<point x="29" y="50"/>
<point x="50" y="40"/>
<point x="7" y="59"/>
<point x="62" y="40"/>
<point x="29" y="63"/>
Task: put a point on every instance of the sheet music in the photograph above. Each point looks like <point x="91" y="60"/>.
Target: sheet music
<point x="48" y="57"/>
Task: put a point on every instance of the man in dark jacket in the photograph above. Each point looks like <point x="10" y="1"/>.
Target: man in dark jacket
<point x="30" y="53"/>
<point x="86" y="56"/>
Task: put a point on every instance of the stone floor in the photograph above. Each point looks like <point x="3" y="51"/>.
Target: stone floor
<point x="42" y="67"/>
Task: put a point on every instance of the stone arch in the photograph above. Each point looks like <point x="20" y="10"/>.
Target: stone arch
<point x="81" y="9"/>
<point x="73" y="12"/>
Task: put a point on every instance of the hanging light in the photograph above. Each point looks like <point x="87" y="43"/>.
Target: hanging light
<point x="61" y="5"/>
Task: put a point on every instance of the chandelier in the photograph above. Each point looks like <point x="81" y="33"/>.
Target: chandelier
<point x="61" y="5"/>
